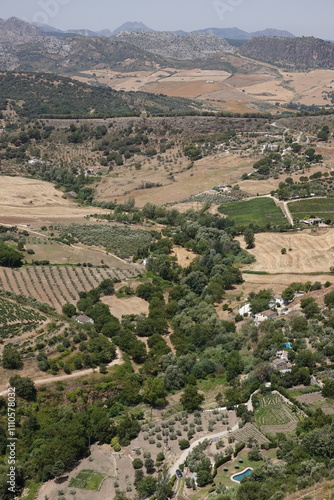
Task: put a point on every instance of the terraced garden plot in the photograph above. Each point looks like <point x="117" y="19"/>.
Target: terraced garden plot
<point x="273" y="411"/>
<point x="16" y="320"/>
<point x="87" y="480"/>
<point x="57" y="285"/>
<point x="250" y="431"/>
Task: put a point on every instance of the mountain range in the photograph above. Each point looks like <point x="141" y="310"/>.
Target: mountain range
<point x="136" y="27"/>
<point x="26" y="47"/>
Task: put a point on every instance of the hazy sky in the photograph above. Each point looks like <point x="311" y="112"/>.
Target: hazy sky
<point x="302" y="17"/>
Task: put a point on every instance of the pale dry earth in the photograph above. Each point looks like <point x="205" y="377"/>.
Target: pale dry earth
<point x="31" y="200"/>
<point x="123" y="306"/>
<point x="307" y="252"/>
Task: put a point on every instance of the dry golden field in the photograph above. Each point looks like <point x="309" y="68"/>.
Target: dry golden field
<point x="307" y="252"/>
<point x="236" y="93"/>
<point x="32" y="200"/>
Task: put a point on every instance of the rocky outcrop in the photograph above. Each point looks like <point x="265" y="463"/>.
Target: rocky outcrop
<point x="296" y="53"/>
<point x="15" y="31"/>
<point x="188" y="47"/>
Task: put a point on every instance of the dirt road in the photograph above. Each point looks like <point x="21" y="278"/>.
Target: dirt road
<point x="77" y="374"/>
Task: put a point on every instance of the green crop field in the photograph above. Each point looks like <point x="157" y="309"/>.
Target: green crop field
<point x="121" y="241"/>
<point x="259" y="212"/>
<point x="319" y="207"/>
<point x="16" y="319"/>
<point x="273" y="410"/>
<point x="87" y="480"/>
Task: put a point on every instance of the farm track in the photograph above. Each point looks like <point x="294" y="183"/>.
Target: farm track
<point x="77" y="374"/>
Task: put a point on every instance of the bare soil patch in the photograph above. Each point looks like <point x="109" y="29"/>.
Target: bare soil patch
<point x="121" y="307"/>
<point x="184" y="257"/>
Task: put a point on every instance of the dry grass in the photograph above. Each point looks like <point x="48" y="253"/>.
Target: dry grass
<point x="124" y="306"/>
<point x="184" y="257"/>
<point x="206" y="173"/>
<point x="307" y="252"/>
<point x="32" y="200"/>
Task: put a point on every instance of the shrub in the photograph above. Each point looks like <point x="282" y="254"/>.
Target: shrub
<point x="184" y="444"/>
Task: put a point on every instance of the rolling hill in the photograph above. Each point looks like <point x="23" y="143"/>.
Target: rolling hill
<point x="296" y="53"/>
<point x="46" y="95"/>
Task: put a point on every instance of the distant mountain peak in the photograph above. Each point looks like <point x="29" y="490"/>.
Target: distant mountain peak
<point x="273" y="32"/>
<point x="133" y="26"/>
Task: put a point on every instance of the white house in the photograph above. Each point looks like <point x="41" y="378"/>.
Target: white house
<point x="84" y="320"/>
<point x="245" y="309"/>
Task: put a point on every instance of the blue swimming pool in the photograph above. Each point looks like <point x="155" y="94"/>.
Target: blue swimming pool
<point x="239" y="477"/>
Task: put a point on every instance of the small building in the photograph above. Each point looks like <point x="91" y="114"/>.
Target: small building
<point x="313" y="221"/>
<point x="245" y="309"/>
<point x="277" y="302"/>
<point x="281" y="365"/>
<point x="264" y="316"/>
<point x="283" y="355"/>
<point x="84" y="320"/>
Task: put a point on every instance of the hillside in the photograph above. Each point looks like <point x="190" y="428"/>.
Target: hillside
<point x="191" y="46"/>
<point x="238" y="34"/>
<point x="54" y="96"/>
<point x="135" y="26"/>
<point x="305" y="52"/>
<point x="13" y="30"/>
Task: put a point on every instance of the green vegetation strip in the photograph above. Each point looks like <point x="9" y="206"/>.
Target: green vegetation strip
<point x="121" y="241"/>
<point x="319" y="207"/>
<point x="87" y="480"/>
<point x="259" y="212"/>
<point x="273" y="410"/>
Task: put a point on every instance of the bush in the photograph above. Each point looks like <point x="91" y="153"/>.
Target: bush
<point x="184" y="444"/>
<point x="137" y="463"/>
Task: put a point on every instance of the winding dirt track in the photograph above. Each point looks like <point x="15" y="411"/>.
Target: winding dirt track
<point x="77" y="374"/>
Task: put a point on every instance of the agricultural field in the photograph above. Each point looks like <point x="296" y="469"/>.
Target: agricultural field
<point x="307" y="252"/>
<point x="87" y="480"/>
<point x="57" y="285"/>
<point x="274" y="415"/>
<point x="16" y="319"/>
<point x="316" y="400"/>
<point x="259" y="212"/>
<point x="30" y="200"/>
<point x="46" y="248"/>
<point x="121" y="241"/>
<point x="249" y="431"/>
<point x="101" y="470"/>
<point x="318" y="207"/>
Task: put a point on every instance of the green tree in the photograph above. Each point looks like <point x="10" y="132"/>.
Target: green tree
<point x="146" y="487"/>
<point x="164" y="489"/>
<point x="329" y="299"/>
<point x="154" y="392"/>
<point x="137" y="463"/>
<point x="11" y="358"/>
<point x="68" y="310"/>
<point x="288" y="294"/>
<point x="249" y="238"/>
<point x="203" y="478"/>
<point x="184" y="444"/>
<point x="328" y="389"/>
<point x="234" y="365"/>
<point x="24" y="387"/>
<point x="191" y="399"/>
<point x="9" y="257"/>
